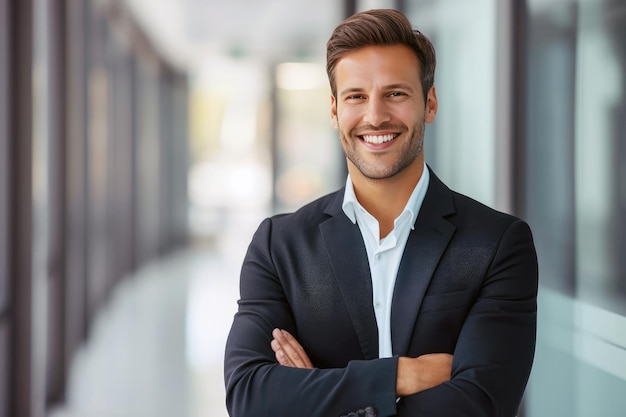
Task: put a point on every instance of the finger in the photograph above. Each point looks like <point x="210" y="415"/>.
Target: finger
<point x="287" y="348"/>
<point x="294" y="353"/>
<point x="283" y="360"/>
<point x="280" y="355"/>
<point x="305" y="361"/>
<point x="275" y="345"/>
<point x="278" y="345"/>
<point x="293" y="350"/>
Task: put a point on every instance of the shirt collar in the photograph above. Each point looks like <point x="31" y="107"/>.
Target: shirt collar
<point x="413" y="205"/>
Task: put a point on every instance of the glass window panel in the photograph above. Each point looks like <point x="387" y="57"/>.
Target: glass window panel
<point x="460" y="145"/>
<point x="601" y="154"/>
<point x="120" y="162"/>
<point x="575" y="193"/>
<point x="148" y="156"/>
<point x="98" y="143"/>
<point x="548" y="170"/>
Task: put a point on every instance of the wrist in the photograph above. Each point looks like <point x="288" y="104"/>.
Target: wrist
<point x="406" y="381"/>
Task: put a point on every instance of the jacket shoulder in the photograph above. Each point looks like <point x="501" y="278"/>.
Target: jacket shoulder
<point x="461" y="209"/>
<point x="476" y="208"/>
<point x="312" y="213"/>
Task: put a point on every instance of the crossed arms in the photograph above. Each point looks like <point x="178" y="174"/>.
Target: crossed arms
<point x="492" y="353"/>
<point x="414" y="374"/>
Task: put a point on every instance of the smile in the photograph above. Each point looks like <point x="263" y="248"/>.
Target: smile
<point x="378" y="139"/>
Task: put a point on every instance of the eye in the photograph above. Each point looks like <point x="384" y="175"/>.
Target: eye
<point x="397" y="94"/>
<point x="355" y="97"/>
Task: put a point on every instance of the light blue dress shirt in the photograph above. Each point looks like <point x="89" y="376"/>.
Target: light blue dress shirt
<point x="384" y="255"/>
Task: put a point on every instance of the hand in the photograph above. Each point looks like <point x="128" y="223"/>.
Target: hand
<point x="288" y="351"/>
<point x="421" y="373"/>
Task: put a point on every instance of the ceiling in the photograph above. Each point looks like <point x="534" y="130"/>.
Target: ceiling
<point x="190" y="32"/>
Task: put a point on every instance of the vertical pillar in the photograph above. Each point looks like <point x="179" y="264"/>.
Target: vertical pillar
<point x="349" y="8"/>
<point x="5" y="298"/>
<point x="56" y="365"/>
<point x="20" y="206"/>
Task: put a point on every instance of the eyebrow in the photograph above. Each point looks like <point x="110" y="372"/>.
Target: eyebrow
<point x="396" y="86"/>
<point x="350" y="90"/>
<point x="401" y="86"/>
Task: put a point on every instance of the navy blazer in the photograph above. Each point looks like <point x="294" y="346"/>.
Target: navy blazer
<point x="467" y="285"/>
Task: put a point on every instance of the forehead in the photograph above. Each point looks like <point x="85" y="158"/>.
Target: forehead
<point x="390" y="63"/>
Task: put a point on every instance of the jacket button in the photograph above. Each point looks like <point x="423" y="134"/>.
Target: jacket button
<point x="370" y="412"/>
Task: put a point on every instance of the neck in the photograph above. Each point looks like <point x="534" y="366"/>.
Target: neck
<point x="386" y="198"/>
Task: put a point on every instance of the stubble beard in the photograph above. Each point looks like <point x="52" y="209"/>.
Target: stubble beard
<point x="406" y="155"/>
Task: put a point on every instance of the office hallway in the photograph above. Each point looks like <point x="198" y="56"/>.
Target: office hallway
<point x="156" y="348"/>
<point x="129" y="127"/>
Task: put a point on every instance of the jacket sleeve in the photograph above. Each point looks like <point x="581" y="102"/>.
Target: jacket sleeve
<point x="256" y="385"/>
<point x="494" y="353"/>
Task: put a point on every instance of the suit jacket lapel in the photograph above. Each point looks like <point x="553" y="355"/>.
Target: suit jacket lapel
<point x="348" y="258"/>
<point x="424" y="247"/>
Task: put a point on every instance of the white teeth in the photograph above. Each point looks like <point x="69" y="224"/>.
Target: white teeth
<point x="378" y="139"/>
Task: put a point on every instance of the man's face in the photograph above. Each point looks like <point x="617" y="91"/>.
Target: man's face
<point x="379" y="110"/>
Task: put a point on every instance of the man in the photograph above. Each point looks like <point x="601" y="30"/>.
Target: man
<point x="394" y="296"/>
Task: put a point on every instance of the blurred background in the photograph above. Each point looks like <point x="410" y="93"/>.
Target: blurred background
<point x="141" y="143"/>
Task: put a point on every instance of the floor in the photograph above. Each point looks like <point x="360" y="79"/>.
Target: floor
<point x="157" y="347"/>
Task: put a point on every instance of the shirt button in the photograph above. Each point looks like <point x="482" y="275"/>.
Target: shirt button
<point x="377" y="304"/>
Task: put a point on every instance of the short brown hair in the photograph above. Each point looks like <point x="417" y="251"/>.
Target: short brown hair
<point x="380" y="27"/>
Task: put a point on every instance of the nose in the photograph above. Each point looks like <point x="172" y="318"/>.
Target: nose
<point x="376" y="112"/>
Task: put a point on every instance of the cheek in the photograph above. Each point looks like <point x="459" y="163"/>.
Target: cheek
<point x="411" y="118"/>
<point x="347" y="119"/>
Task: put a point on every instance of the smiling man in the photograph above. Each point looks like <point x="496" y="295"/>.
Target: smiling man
<point x="393" y="296"/>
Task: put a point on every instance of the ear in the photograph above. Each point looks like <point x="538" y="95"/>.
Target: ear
<point x="431" y="105"/>
<point x="333" y="112"/>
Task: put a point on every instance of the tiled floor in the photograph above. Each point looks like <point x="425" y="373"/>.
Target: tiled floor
<point x="157" y="348"/>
